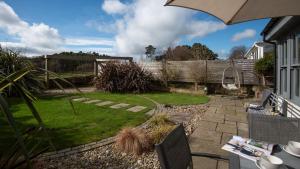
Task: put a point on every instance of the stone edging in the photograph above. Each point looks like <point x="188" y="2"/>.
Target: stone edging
<point x="85" y="147"/>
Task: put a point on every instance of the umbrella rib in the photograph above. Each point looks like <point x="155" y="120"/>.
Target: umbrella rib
<point x="167" y="3"/>
<point x="230" y="21"/>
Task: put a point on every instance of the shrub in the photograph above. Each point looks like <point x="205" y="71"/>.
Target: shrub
<point x="133" y="141"/>
<point x="160" y="119"/>
<point x="124" y="77"/>
<point x="158" y="133"/>
<point x="265" y="65"/>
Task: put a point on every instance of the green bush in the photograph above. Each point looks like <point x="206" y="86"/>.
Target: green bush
<point x="124" y="78"/>
<point x="265" y="65"/>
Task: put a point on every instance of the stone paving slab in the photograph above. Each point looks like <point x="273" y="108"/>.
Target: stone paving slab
<point x="92" y="101"/>
<point x="81" y="99"/>
<point x="198" y="145"/>
<point x="136" y="109"/>
<point x="223" y="165"/>
<point x="230" y="122"/>
<point x="207" y="125"/>
<point x="204" y="163"/>
<point x="207" y="135"/>
<point x="243" y="133"/>
<point x="227" y="128"/>
<point x="119" y="106"/>
<point x="237" y="118"/>
<point x="243" y="126"/>
<point x="104" y="103"/>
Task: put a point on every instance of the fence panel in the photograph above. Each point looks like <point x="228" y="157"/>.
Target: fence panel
<point x="187" y="71"/>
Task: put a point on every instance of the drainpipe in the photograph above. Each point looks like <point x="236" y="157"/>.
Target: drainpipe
<point x="275" y="63"/>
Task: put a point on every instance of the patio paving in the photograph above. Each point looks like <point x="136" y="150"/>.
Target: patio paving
<point x="224" y="118"/>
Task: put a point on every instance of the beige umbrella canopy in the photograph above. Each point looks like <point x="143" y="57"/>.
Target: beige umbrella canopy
<point x="235" y="11"/>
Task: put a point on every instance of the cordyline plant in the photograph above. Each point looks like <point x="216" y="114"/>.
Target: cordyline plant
<point x="25" y="149"/>
<point x="124" y="78"/>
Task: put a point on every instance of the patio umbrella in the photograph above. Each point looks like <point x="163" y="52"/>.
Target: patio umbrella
<point x="235" y="11"/>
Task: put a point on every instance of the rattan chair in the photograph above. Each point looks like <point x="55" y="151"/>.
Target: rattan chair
<point x="273" y="129"/>
<point x="260" y="108"/>
<point x="174" y="151"/>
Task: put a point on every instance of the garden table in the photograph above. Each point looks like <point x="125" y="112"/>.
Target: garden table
<point x="290" y="162"/>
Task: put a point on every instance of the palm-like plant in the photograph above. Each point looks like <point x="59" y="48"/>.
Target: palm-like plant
<point x="11" y="62"/>
<point x="16" y="79"/>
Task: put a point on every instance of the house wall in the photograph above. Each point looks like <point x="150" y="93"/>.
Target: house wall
<point x="288" y="67"/>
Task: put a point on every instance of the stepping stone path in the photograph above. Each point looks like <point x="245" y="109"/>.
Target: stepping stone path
<point x="81" y="99"/>
<point x="119" y="106"/>
<point x="92" y="101"/>
<point x="104" y="103"/>
<point x="136" y="108"/>
<point x="115" y="106"/>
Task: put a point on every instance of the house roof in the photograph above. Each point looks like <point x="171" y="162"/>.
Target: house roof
<point x="270" y="25"/>
<point x="280" y="27"/>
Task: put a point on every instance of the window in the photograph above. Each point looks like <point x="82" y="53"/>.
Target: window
<point x="283" y="67"/>
<point x="296" y="51"/>
<point x="289" y="68"/>
<point x="295" y="69"/>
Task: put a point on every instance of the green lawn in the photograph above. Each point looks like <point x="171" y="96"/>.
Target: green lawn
<point x="91" y="123"/>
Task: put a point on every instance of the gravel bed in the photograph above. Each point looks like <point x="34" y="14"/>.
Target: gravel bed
<point x="107" y="157"/>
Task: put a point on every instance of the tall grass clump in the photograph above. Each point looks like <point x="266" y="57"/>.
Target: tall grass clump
<point x="133" y="141"/>
<point x="161" y="126"/>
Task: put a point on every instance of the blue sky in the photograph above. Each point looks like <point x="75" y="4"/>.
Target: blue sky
<point x="114" y="27"/>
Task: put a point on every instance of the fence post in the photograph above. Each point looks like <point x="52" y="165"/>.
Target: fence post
<point x="95" y="68"/>
<point x="46" y="73"/>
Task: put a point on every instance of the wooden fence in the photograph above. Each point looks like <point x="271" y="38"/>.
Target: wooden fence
<point x="212" y="70"/>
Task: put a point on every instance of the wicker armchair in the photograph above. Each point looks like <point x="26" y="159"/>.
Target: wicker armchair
<point x="273" y="129"/>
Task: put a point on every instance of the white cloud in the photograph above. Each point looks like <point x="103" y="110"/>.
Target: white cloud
<point x="89" y="41"/>
<point x="150" y="22"/>
<point x="39" y="38"/>
<point x="248" y="33"/>
<point x="39" y="35"/>
<point x="114" y="7"/>
<point x="35" y="51"/>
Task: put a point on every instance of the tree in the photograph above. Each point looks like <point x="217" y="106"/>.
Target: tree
<point x="237" y="52"/>
<point x="186" y="52"/>
<point x="202" y="52"/>
<point x="180" y="53"/>
<point x="150" y="51"/>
